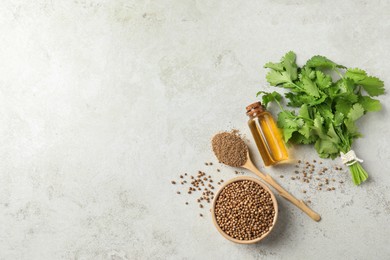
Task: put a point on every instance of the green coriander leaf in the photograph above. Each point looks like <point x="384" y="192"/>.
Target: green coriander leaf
<point x="276" y="78"/>
<point x="309" y="72"/>
<point x="317" y="101"/>
<point x="305" y="99"/>
<point x="332" y="134"/>
<point x="334" y="89"/>
<point x="269" y="97"/>
<point x="346" y="92"/>
<point x="351" y="127"/>
<point x="298" y="138"/>
<point x="323" y="81"/>
<point x="322" y="62"/>
<point x="338" y="118"/>
<point x="274" y="66"/>
<point x="373" y="86"/>
<point x="351" y="97"/>
<point x="369" y="104"/>
<point x="343" y="106"/>
<point x="356" y="74"/>
<point x="294" y="100"/>
<point x="355" y="112"/>
<point x="287" y="119"/>
<point x="287" y="133"/>
<point x="325" y="147"/>
<point x="325" y="111"/>
<point x="289" y="64"/>
<point x="309" y="87"/>
<point x="304" y="111"/>
<point x="318" y="127"/>
<point x="283" y="117"/>
<point x="305" y="130"/>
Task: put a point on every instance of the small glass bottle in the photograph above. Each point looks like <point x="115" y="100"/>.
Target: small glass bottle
<point x="267" y="135"/>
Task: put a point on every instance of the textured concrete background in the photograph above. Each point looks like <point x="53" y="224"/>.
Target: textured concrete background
<point x="102" y="103"/>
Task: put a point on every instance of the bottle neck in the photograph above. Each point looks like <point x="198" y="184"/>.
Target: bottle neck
<point x="255" y="112"/>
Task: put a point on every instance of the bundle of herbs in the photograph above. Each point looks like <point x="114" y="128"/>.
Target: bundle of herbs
<point x="328" y="109"/>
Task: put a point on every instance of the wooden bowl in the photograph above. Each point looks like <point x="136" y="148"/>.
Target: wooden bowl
<point x="275" y="204"/>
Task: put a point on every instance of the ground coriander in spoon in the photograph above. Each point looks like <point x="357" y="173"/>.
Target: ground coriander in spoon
<point x="230" y="149"/>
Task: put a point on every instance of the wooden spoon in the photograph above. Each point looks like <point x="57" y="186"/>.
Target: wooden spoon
<point x="268" y="179"/>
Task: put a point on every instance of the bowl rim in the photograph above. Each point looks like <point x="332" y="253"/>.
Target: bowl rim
<point x="264" y="186"/>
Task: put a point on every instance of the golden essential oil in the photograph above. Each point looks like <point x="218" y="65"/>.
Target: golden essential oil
<point x="266" y="134"/>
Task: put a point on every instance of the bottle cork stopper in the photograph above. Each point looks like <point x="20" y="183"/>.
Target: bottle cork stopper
<point x="254" y="108"/>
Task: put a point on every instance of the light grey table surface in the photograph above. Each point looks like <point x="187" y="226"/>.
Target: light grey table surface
<point x="103" y="103"/>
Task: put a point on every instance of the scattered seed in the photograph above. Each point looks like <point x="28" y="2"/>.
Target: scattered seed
<point x="281" y="176"/>
<point x="186" y="203"/>
<point x="178" y="192"/>
<point x="173" y="182"/>
<point x="201" y="215"/>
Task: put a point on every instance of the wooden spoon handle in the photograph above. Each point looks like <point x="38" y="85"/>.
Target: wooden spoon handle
<point x="285" y="194"/>
<point x="299" y="203"/>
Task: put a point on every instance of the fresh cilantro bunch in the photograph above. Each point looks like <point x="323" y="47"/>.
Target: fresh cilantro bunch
<point x="328" y="109"/>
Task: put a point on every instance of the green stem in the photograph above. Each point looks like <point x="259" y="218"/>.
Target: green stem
<point x="338" y="73"/>
<point x="358" y="173"/>
<point x="298" y="87"/>
<point x="280" y="106"/>
<point x="308" y="119"/>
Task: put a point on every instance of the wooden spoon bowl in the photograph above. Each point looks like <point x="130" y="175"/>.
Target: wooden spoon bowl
<point x="275" y="205"/>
